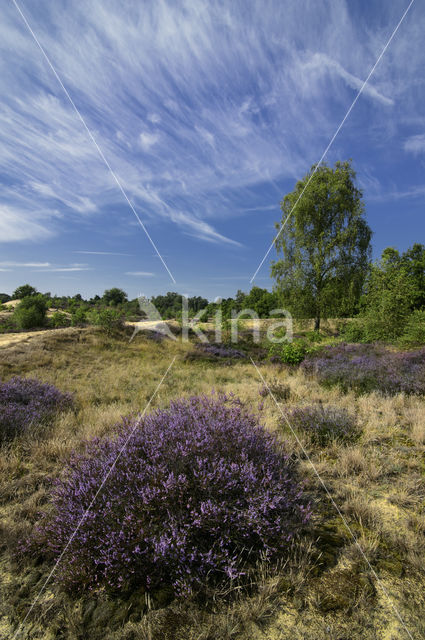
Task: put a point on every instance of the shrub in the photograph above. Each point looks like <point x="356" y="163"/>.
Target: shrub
<point x="288" y="352"/>
<point x="109" y="319"/>
<point x="414" y="330"/>
<point x="314" y="336"/>
<point x="25" y="402"/>
<point x="201" y="492"/>
<point x="280" y="390"/>
<point x="8" y="325"/>
<point x="31" y="312"/>
<point x="215" y="351"/>
<point x="59" y="319"/>
<point x="324" y="424"/>
<point x="78" y="317"/>
<point x="366" y="368"/>
<point x="355" y="331"/>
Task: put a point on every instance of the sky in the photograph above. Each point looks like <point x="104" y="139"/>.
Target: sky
<point x="186" y="122"/>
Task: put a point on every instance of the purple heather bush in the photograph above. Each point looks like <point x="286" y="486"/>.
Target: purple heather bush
<point x="25" y="403"/>
<point x="365" y="368"/>
<point x="219" y="351"/>
<point x="200" y="493"/>
<point x="324" y="424"/>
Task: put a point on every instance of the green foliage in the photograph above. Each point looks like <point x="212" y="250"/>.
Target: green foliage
<point x="59" y="319"/>
<point x="325" y="244"/>
<point x="288" y="352"/>
<point x="4" y="297"/>
<point x="262" y="301"/>
<point x="171" y="305"/>
<point x="31" y="312"/>
<point x="414" y="330"/>
<point x="390" y="293"/>
<point x="8" y="325"/>
<point x="313" y="336"/>
<point x="133" y="311"/>
<point x="24" y="291"/>
<point x="413" y="261"/>
<point x="108" y="318"/>
<point x="114" y="296"/>
<point x="355" y="331"/>
<point x="78" y="317"/>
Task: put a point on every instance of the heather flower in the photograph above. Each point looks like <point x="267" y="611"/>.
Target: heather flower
<point x="324" y="424"/>
<point x="200" y="493"/>
<point x="211" y="351"/>
<point x="25" y="403"/>
<point x="365" y="368"/>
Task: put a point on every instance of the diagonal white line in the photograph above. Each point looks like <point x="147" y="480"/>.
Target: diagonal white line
<point x="112" y="172"/>
<point x="83" y="517"/>
<point x="347" y="526"/>
<point x="332" y="139"/>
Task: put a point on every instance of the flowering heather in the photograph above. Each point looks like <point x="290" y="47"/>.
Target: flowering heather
<point x="25" y="402"/>
<point x="200" y="492"/>
<point x="219" y="351"/>
<point x="365" y="368"/>
<point x="324" y="424"/>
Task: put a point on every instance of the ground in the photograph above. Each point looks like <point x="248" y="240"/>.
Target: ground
<point x="332" y="585"/>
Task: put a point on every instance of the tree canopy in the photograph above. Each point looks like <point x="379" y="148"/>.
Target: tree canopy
<point x="23" y="291"/>
<point x="325" y="242"/>
<point x="114" y="296"/>
<point x="394" y="288"/>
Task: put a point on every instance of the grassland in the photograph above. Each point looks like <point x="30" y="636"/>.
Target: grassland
<point x="329" y="587"/>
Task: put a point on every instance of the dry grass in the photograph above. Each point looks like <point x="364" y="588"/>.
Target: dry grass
<point x="326" y="589"/>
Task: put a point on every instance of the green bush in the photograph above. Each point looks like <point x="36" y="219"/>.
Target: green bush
<point x="314" y="336"/>
<point x="31" y="312"/>
<point x="414" y="331"/>
<point x="59" y="319"/>
<point x="78" y="317"/>
<point x="288" y="352"/>
<point x="110" y="320"/>
<point x="355" y="331"/>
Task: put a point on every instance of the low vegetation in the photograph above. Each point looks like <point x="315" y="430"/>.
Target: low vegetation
<point x="366" y="368"/>
<point x="201" y="494"/>
<point x="324" y="425"/>
<point x="368" y="449"/>
<point x="25" y="404"/>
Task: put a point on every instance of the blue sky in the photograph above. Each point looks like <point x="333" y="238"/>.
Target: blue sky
<point x="207" y="112"/>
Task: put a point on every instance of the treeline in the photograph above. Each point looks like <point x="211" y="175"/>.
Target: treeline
<point x="108" y="310"/>
<point x="259" y="300"/>
<point x="171" y="305"/>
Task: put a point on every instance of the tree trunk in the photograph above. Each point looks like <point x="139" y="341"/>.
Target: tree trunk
<point x="317" y="323"/>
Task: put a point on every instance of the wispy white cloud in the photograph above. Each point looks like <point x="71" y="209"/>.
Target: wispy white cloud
<point x="320" y="63"/>
<point x="201" y="229"/>
<point x="144" y="274"/>
<point x="386" y="195"/>
<point x="60" y="269"/>
<point x="25" y="264"/>
<point x="103" y="253"/>
<point x="17" y="225"/>
<point x="148" y="139"/>
<point x="191" y="103"/>
<point x="415" y="144"/>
